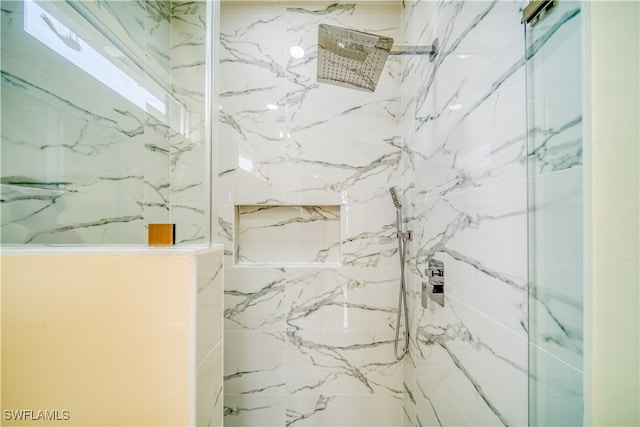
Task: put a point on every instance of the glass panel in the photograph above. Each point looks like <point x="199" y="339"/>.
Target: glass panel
<point x="102" y="121"/>
<point x="555" y="185"/>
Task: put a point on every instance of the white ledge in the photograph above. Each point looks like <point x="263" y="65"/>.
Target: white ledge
<point x="115" y="250"/>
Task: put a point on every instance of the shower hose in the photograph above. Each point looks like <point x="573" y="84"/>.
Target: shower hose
<point x="402" y="302"/>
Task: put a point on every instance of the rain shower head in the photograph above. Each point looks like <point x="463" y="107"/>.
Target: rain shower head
<point x="355" y="59"/>
<point x="351" y="58"/>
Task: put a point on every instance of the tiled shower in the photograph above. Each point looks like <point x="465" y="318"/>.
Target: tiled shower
<point x="309" y="338"/>
<point x="307" y="167"/>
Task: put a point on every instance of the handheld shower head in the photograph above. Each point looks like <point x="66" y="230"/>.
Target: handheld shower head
<point x="398" y="204"/>
<point x="394" y="196"/>
<point x="402" y="250"/>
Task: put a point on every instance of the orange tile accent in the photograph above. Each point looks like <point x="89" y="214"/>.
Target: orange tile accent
<point x="161" y="234"/>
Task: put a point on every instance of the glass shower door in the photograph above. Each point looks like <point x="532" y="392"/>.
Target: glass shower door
<point x="555" y="218"/>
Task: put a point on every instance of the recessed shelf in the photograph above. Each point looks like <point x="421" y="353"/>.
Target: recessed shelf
<point x="285" y="235"/>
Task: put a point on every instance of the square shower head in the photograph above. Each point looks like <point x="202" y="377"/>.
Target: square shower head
<point x="351" y="58"/>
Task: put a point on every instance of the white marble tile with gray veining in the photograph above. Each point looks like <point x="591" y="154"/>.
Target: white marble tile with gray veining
<point x="328" y="361"/>
<point x="304" y="172"/>
<point x="209" y="390"/>
<point x="255" y="362"/>
<point x="209" y="338"/>
<point x="112" y="145"/>
<point x="348" y="299"/>
<point x="291" y="141"/>
<point x="481" y="237"/>
<point x="343" y="410"/>
<point x="555" y="135"/>
<point x="32" y="216"/>
<point x="463" y="121"/>
<point x="556" y="294"/>
<point x="560" y="386"/>
<point x="252" y="43"/>
<point x="474" y="124"/>
<point x="254" y="410"/>
<point x="189" y="54"/>
<point x="255" y="301"/>
<point x="209" y="303"/>
<point x="189" y="142"/>
<point x="146" y="23"/>
<point x="466" y="351"/>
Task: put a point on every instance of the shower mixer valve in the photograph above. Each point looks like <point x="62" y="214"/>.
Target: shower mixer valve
<point x="435" y="273"/>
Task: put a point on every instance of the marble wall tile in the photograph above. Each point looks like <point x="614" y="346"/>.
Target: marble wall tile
<point x="209" y="390"/>
<point x="141" y="19"/>
<point x="287" y="140"/>
<point x="55" y="139"/>
<point x="342" y="299"/>
<point x="328" y="361"/>
<point x="556" y="246"/>
<point x="465" y="194"/>
<point x="304" y="172"/>
<point x="252" y="109"/>
<point x="555" y="83"/>
<point x="209" y="308"/>
<point x="433" y="404"/>
<point x="310" y="298"/>
<point x="473" y="356"/>
<point x="556" y="390"/>
<point x="188" y="53"/>
<point x="43" y="216"/>
<point x="254" y="410"/>
<point x="370" y="237"/>
<point x="329" y="115"/>
<point x="187" y="151"/>
<point x="252" y="41"/>
<point x="255" y="362"/>
<point x="189" y="141"/>
<point x="100" y="119"/>
<point x="481" y="238"/>
<point x="556" y="300"/>
<point x="341" y="410"/>
<point x="209" y="335"/>
<point x="255" y="301"/>
<point x="193" y="229"/>
<point x="464" y="142"/>
<point x="157" y="167"/>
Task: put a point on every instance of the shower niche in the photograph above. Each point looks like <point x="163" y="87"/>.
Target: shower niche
<point x="287" y="235"/>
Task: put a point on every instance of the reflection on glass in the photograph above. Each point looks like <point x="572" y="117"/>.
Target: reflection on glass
<point x="49" y="31"/>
